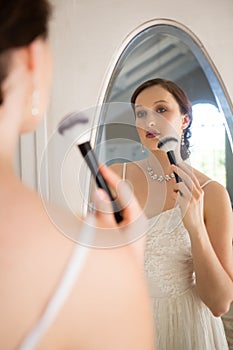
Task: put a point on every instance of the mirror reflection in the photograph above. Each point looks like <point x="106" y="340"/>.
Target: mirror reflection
<point x="169" y="52"/>
<point x="189" y="245"/>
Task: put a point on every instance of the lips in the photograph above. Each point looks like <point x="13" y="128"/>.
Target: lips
<point x="151" y="134"/>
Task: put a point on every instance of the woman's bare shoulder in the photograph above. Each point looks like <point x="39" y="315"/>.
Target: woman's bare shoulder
<point x="44" y="221"/>
<point x="120" y="168"/>
<point x="117" y="168"/>
<point x="207" y="182"/>
<point x="216" y="198"/>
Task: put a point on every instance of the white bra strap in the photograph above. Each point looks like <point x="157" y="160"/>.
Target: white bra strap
<point x="206" y="183"/>
<point x="63" y="291"/>
<point x="124" y="171"/>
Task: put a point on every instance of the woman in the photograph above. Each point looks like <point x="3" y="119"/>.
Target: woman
<point x="56" y="294"/>
<point x="189" y="245"/>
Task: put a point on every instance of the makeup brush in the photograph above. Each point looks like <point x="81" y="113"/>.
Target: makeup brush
<point x="168" y="144"/>
<point x="75" y="126"/>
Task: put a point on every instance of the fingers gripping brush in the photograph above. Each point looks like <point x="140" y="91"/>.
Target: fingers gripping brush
<point x="75" y="127"/>
<point x="168" y="144"/>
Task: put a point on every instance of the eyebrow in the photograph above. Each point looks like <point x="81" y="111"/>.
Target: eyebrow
<point x="160" y="101"/>
<point x="136" y="106"/>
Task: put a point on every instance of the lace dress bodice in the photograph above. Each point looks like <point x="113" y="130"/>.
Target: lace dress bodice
<point x="182" y="320"/>
<point x="168" y="258"/>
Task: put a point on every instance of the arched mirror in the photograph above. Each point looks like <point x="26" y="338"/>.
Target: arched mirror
<point x="167" y="49"/>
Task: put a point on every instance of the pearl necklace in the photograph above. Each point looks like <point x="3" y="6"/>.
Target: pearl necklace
<point x="159" y="178"/>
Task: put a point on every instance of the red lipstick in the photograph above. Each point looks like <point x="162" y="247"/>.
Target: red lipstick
<point x="150" y="134"/>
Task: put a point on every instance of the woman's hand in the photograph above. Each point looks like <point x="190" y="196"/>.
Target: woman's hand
<point x="190" y="198"/>
<point x="129" y="206"/>
<point x="134" y="224"/>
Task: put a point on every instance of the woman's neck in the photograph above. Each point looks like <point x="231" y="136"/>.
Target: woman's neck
<point x="9" y="142"/>
<point x="161" y="157"/>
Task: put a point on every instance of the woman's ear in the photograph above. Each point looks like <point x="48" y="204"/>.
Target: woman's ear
<point x="185" y="121"/>
<point x="35" y="56"/>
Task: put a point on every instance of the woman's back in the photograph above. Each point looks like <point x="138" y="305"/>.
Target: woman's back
<point x="34" y="257"/>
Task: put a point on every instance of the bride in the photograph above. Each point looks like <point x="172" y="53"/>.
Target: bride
<point x="188" y="257"/>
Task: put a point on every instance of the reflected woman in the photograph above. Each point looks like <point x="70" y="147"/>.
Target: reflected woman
<point x="188" y="257"/>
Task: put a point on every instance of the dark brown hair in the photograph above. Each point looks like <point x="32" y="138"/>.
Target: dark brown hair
<point x="21" y="22"/>
<point x="182" y="100"/>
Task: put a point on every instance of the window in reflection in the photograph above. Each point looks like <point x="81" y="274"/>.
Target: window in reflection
<point x="208" y="151"/>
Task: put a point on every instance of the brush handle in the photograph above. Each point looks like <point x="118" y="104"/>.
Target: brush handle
<point x="172" y="160"/>
<point x="92" y="163"/>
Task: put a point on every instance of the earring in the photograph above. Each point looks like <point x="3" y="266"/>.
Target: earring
<point x="184" y="149"/>
<point x="35" y="103"/>
<point x="142" y="148"/>
<point x="182" y="139"/>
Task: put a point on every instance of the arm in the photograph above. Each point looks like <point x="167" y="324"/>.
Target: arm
<point x="208" y="219"/>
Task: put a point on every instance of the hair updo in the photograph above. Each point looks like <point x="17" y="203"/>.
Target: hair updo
<point x="21" y="22"/>
<point x="182" y="100"/>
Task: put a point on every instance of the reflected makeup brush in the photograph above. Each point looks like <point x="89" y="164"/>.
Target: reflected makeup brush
<point x="75" y="127"/>
<point x="168" y="145"/>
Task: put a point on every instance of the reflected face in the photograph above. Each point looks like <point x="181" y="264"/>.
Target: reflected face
<point x="157" y="115"/>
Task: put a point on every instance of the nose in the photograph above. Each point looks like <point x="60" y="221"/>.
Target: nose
<point x="151" y="119"/>
<point x="151" y="123"/>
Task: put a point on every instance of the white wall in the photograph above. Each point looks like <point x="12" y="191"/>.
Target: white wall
<point x="85" y="36"/>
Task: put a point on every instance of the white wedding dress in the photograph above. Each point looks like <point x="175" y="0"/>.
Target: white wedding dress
<point x="182" y="320"/>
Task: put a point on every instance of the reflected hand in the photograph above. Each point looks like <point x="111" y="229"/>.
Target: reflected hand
<point x="134" y="224"/>
<point x="190" y="198"/>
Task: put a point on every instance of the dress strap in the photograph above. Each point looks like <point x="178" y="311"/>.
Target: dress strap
<point x="124" y="171"/>
<point x="61" y="294"/>
<point x="206" y="183"/>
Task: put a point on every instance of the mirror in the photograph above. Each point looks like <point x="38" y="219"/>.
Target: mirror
<point x="167" y="49"/>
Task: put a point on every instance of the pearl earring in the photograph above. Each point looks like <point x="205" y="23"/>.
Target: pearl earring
<point x="142" y="148"/>
<point x="35" y="103"/>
